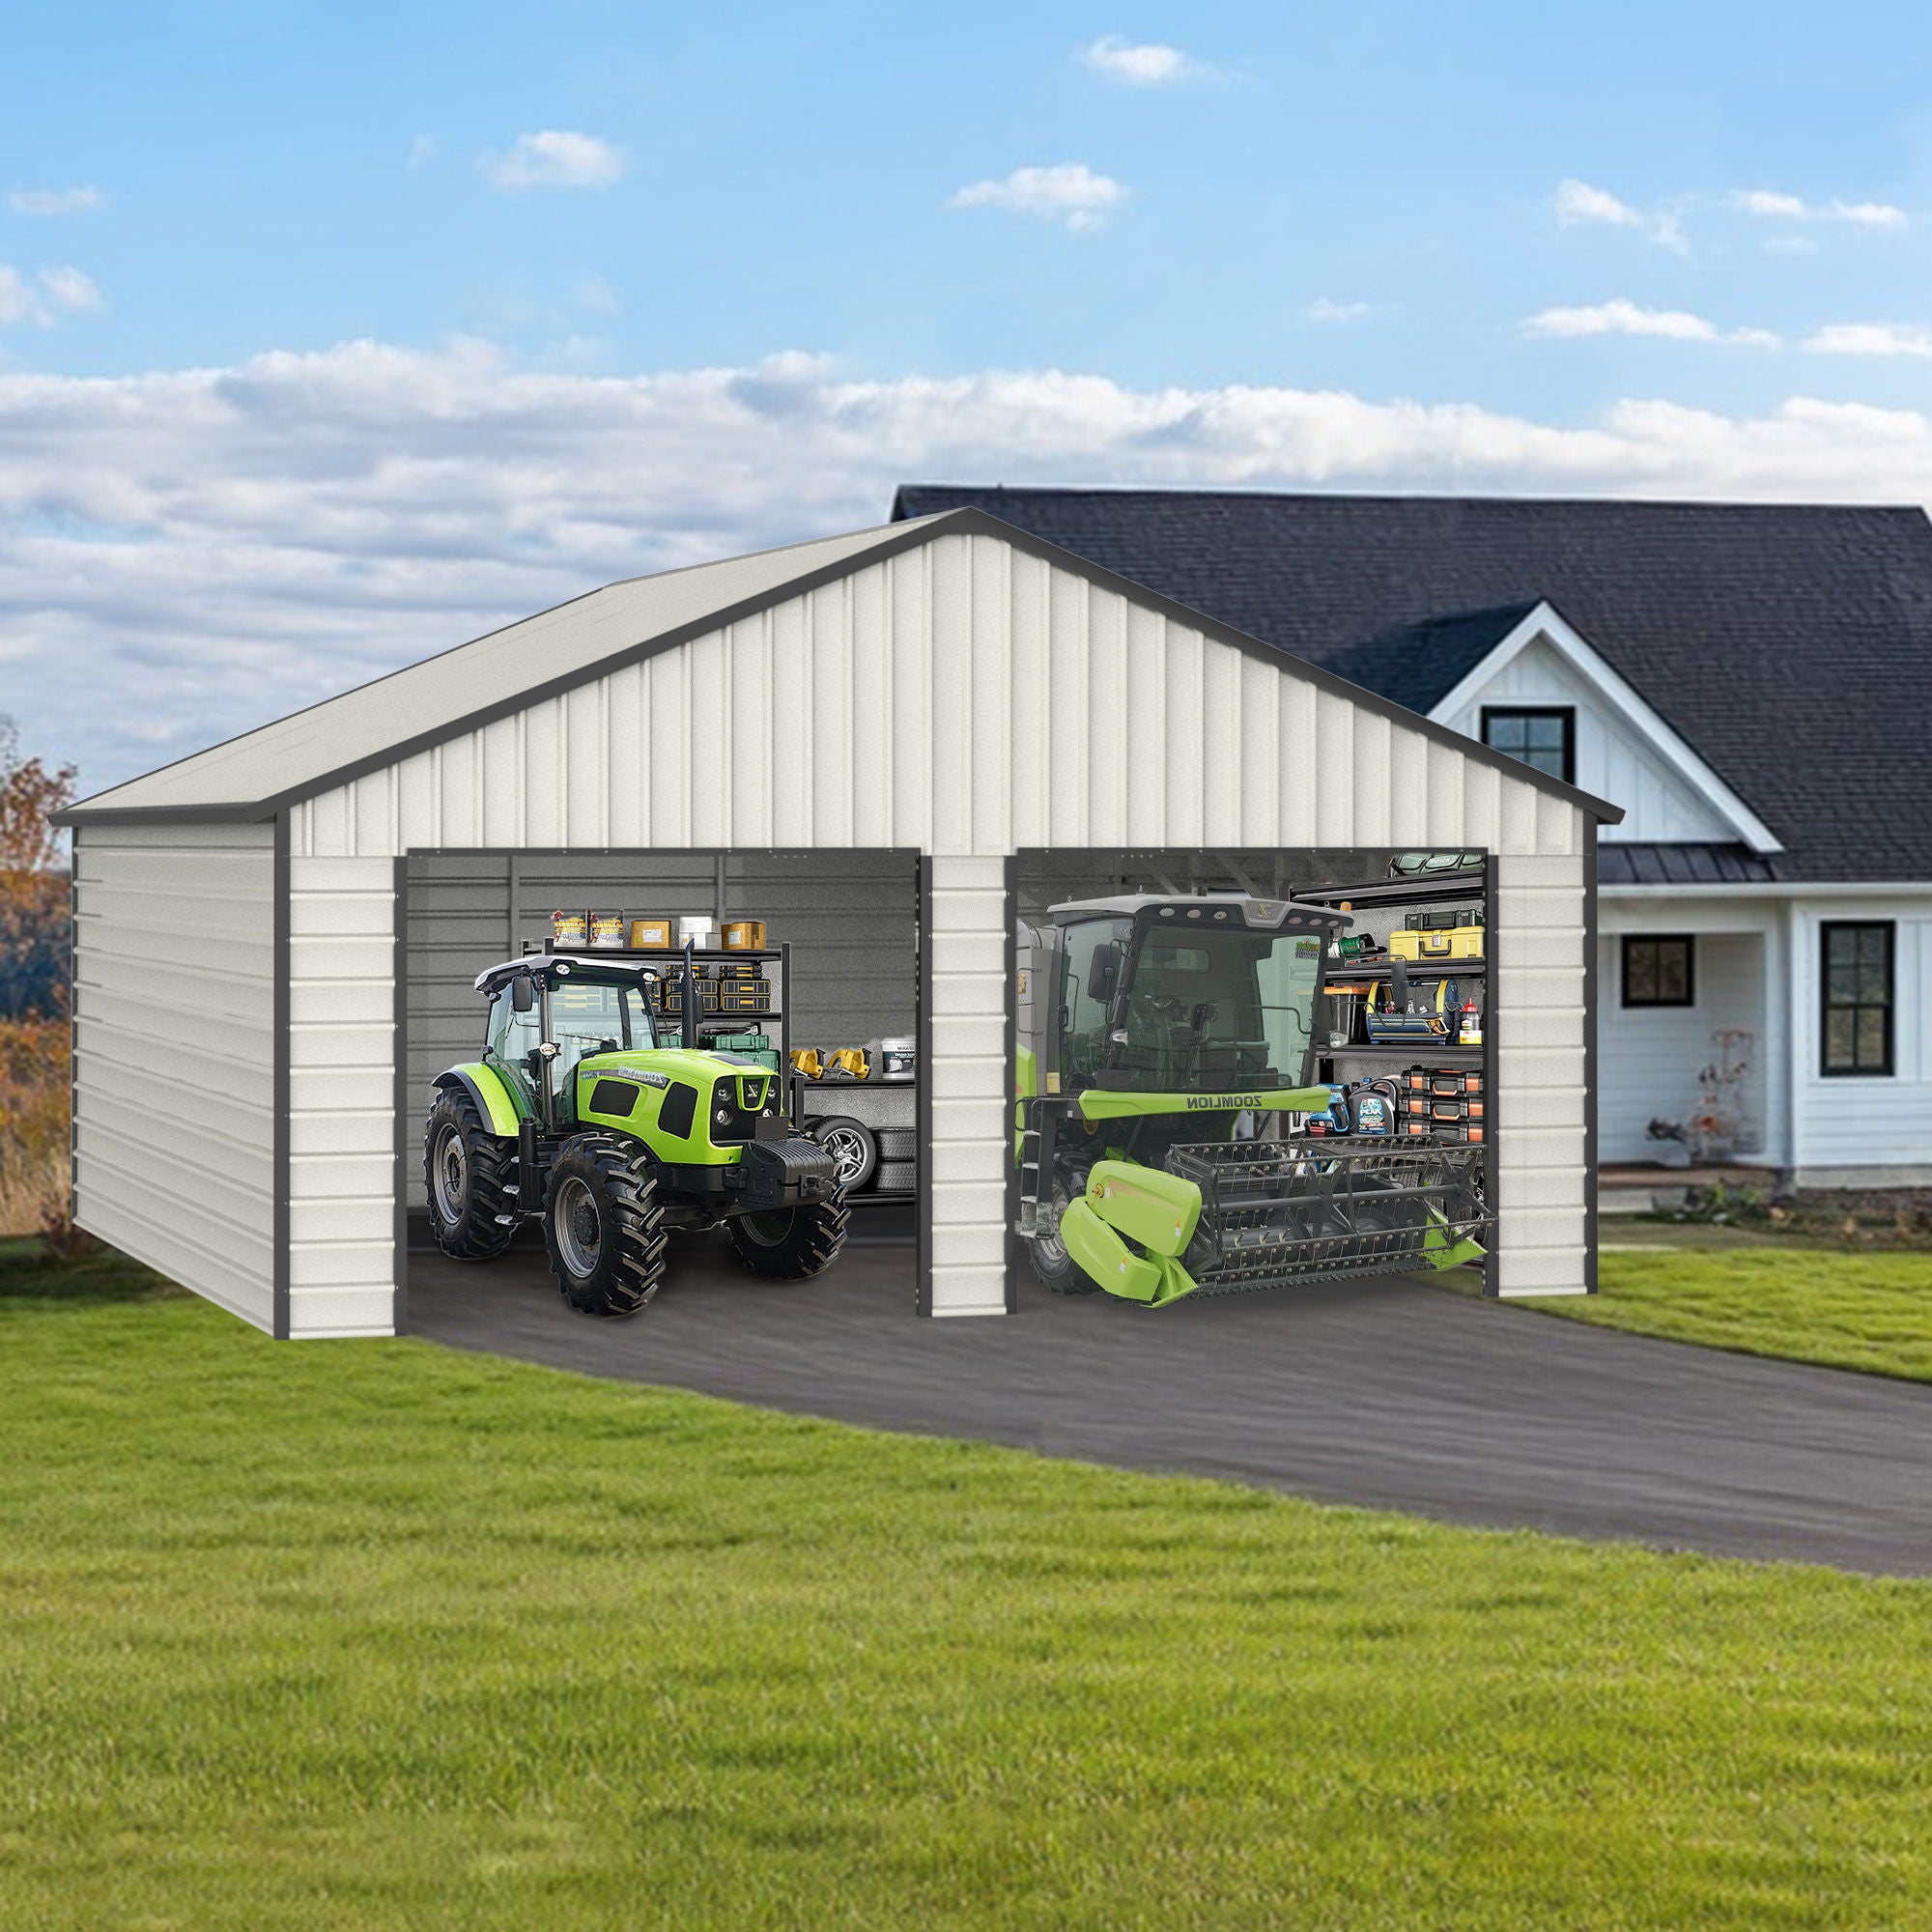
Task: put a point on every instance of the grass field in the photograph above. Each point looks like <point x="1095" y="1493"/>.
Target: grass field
<point x="372" y="1635"/>
<point x="1848" y="1311"/>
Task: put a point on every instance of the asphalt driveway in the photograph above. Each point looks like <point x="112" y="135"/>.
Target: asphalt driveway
<point x="1389" y="1393"/>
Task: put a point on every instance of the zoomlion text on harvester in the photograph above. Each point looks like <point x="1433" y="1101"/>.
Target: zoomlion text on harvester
<point x="1165" y="1048"/>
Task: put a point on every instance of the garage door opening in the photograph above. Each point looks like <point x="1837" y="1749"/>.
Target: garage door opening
<point x="1240" y="1070"/>
<point x="803" y="992"/>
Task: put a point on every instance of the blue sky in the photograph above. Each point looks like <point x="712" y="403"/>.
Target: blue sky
<point x="330" y="335"/>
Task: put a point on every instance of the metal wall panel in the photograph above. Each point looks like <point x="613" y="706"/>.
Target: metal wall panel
<point x="968" y="699"/>
<point x="173" y="1072"/>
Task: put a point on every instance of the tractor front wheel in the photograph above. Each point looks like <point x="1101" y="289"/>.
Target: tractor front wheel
<point x="791" y="1243"/>
<point x="464" y="1166"/>
<point x="1047" y="1252"/>
<point x="603" y="1225"/>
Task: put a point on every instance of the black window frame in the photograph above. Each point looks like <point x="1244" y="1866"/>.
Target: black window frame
<point x="1564" y="714"/>
<point x="1827" y="1005"/>
<point x="1687" y="940"/>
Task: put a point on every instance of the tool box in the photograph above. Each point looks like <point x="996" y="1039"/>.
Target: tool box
<point x="1389" y="1027"/>
<point x="1442" y="919"/>
<point x="742" y="996"/>
<point x="1442" y="1082"/>
<point x="1461" y="942"/>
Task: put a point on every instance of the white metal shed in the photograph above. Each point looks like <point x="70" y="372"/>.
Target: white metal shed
<point x="948" y="685"/>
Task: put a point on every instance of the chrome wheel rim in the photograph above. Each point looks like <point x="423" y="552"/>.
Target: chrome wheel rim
<point x="449" y="1171"/>
<point x="848" y="1153"/>
<point x="578" y="1226"/>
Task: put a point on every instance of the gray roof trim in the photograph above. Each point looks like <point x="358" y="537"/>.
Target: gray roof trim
<point x="894" y="540"/>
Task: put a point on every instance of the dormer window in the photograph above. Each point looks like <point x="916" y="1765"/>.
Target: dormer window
<point x="1543" y="735"/>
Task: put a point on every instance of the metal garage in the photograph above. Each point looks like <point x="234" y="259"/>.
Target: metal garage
<point x="257" y="928"/>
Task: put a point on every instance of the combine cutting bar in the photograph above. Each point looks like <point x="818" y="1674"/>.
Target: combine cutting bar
<point x="1272" y="1212"/>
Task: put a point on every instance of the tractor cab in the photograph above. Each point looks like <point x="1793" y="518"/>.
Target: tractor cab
<point x="1203" y="995"/>
<point x="549" y="1013"/>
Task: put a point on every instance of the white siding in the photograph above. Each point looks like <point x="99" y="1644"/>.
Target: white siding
<point x="1649" y="1057"/>
<point x="1864" y="1122"/>
<point x="966" y="699"/>
<point x="1614" y="759"/>
<point x="342" y="1043"/>
<point x="174" y="1088"/>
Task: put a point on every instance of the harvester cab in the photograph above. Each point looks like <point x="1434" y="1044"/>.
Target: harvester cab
<point x="576" y="1115"/>
<point x="1165" y="1067"/>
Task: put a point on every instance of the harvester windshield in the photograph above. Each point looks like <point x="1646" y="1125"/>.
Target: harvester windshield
<point x="1204" y="1011"/>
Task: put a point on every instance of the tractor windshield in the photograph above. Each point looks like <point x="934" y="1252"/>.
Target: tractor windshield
<point x="1205" y="1012"/>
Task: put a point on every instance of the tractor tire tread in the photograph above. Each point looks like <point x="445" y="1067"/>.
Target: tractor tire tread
<point x="480" y="1235"/>
<point x="631" y="1277"/>
<point x="816" y="1237"/>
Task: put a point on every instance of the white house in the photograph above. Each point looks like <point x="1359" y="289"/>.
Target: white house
<point x="1751" y="683"/>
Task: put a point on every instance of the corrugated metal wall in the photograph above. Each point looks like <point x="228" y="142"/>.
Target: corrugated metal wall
<point x="966" y="698"/>
<point x="174" y="1088"/>
<point x="851" y="920"/>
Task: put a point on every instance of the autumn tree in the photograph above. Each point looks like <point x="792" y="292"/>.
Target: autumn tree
<point x="33" y="881"/>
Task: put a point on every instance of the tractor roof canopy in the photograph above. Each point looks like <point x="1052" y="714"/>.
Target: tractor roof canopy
<point x="556" y="966"/>
<point x="1203" y="912"/>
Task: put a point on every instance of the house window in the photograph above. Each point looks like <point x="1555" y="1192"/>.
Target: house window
<point x="1659" y="970"/>
<point x="1544" y="736"/>
<point x="1857" y="970"/>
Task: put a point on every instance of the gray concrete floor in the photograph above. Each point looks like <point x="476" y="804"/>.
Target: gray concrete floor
<point x="1389" y="1393"/>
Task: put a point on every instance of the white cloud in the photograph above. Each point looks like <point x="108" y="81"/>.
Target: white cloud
<point x="1322" y="309"/>
<point x="554" y="159"/>
<point x="1576" y="203"/>
<point x="1620" y="317"/>
<point x="1070" y="193"/>
<point x="51" y="294"/>
<point x="1770" y="206"/>
<point x="45" y="201"/>
<point x="422" y="151"/>
<point x="1872" y="338"/>
<point x="185" y="553"/>
<point x="1149" y="64"/>
<point x="69" y="288"/>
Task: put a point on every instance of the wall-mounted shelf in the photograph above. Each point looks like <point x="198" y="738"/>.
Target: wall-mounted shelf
<point x="1418" y="969"/>
<point x="1409" y="1049"/>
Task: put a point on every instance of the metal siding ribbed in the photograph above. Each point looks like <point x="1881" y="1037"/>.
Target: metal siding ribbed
<point x="174" y="998"/>
<point x="913" y="705"/>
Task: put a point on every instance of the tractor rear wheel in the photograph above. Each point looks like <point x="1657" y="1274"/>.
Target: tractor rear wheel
<point x="791" y="1243"/>
<point x="603" y="1225"/>
<point x="465" y="1174"/>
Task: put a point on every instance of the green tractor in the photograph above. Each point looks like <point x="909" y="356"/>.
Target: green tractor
<point x="1165" y="1052"/>
<point x="577" y="1115"/>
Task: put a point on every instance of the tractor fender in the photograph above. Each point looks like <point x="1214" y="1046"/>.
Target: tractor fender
<point x="491" y="1093"/>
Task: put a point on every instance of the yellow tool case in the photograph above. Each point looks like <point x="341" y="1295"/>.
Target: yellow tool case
<point x="1456" y="942"/>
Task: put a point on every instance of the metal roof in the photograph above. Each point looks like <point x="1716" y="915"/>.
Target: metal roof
<point x="381" y="724"/>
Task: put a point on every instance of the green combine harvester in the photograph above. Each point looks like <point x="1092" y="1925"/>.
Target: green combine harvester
<point x="577" y="1115"/>
<point x="1165" y="1052"/>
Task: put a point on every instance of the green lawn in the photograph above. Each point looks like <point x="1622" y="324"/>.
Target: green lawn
<point x="1849" y="1311"/>
<point x="356" y="1634"/>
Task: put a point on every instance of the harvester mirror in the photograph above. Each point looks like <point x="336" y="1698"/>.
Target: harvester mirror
<point x="523" y="994"/>
<point x="1103" y="972"/>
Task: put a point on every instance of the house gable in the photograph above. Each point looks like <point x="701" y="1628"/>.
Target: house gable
<point x="1625" y="750"/>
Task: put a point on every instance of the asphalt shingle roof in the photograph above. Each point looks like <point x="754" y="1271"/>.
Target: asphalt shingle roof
<point x="1789" y="645"/>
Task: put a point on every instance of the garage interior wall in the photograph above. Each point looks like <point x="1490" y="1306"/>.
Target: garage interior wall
<point x="851" y="920"/>
<point x="967" y="699"/>
<point x="174" y="1095"/>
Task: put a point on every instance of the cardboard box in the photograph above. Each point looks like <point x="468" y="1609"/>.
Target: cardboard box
<point x="745" y="935"/>
<point x="652" y="936"/>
